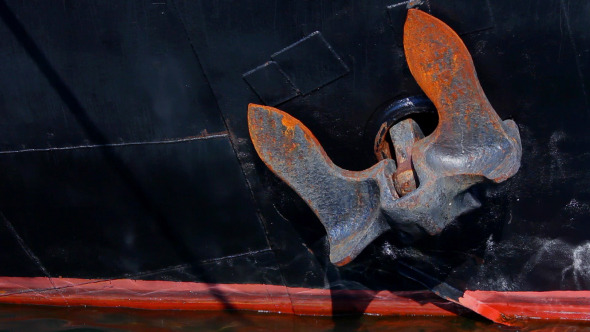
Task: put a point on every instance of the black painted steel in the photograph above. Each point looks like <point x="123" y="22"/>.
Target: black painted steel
<point x="124" y="148"/>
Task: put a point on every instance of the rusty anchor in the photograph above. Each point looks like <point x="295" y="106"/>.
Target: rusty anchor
<point x="427" y="186"/>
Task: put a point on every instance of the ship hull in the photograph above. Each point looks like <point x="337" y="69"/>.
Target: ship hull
<point x="128" y="177"/>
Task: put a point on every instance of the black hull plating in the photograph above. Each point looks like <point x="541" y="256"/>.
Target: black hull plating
<point x="125" y="150"/>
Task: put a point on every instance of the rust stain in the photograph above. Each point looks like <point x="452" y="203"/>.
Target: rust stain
<point x="470" y="144"/>
<point x="289" y="122"/>
<point x="469" y="130"/>
<point x="381" y="146"/>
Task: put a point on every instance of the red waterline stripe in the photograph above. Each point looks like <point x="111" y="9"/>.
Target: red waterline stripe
<point x="143" y="294"/>
<point x="508" y="307"/>
<point x="503" y="307"/>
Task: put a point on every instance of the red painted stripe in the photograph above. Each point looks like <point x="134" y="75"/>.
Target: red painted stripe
<point x="144" y="294"/>
<point x="503" y="307"/>
<point x="512" y="306"/>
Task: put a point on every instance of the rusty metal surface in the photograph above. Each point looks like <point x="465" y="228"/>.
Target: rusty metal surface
<point x="470" y="145"/>
<point x="403" y="137"/>
<point x="347" y="203"/>
<point x="470" y="138"/>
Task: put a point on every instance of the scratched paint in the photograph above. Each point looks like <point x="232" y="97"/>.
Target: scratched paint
<point x="470" y="145"/>
<point x="32" y="318"/>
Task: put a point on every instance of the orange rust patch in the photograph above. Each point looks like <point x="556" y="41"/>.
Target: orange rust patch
<point x="430" y="63"/>
<point x="289" y="122"/>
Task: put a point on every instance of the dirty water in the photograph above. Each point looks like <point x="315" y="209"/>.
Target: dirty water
<point x="43" y="318"/>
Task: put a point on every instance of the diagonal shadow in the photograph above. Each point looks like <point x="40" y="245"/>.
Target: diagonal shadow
<point x="96" y="136"/>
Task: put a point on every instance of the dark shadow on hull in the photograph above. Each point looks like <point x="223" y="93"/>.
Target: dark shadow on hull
<point x="97" y="137"/>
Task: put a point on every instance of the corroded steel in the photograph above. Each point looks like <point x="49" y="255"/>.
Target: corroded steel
<point x="470" y="137"/>
<point x="470" y="145"/>
<point x="403" y="136"/>
<point x="347" y="203"/>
